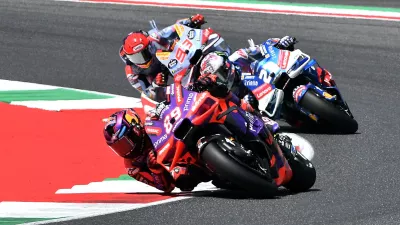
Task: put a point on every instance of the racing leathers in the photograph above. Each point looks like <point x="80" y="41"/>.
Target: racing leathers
<point x="149" y="78"/>
<point x="144" y="168"/>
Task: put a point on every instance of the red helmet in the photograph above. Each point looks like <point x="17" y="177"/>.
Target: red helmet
<point x="136" y="48"/>
<point x="125" y="134"/>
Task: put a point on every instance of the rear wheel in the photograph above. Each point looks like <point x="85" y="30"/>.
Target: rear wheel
<point x="331" y="116"/>
<point x="229" y="168"/>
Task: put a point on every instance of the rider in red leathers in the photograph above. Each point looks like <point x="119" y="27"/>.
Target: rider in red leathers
<point x="143" y="70"/>
<point x="126" y="136"/>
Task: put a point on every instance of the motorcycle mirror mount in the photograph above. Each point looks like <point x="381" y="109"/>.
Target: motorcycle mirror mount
<point x="153" y="24"/>
<point x="251" y="42"/>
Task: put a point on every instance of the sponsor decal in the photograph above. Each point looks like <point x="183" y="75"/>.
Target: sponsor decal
<point x="179" y="29"/>
<point x="283" y="59"/>
<point x="198" y="101"/>
<point x="298" y="92"/>
<point x="165" y="147"/>
<point x="207" y="32"/>
<point x="271" y="51"/>
<point x="172" y="90"/>
<point x="188" y="100"/>
<point x="268" y="121"/>
<point x="163" y="55"/>
<point x="178" y="91"/>
<point x="327" y="95"/>
<point x="191" y="34"/>
<point x="138" y="47"/>
<point x="148" y="123"/>
<point x="172" y="63"/>
<point x="168" y="90"/>
<point x="242" y="53"/>
<point x="153" y="130"/>
<point x="160" y="140"/>
<point x="247" y="76"/>
<point x="251" y="83"/>
<point x="263" y="50"/>
<point x="313" y="117"/>
<point x="177" y="70"/>
<point x="160" y="110"/>
<point x="251" y="120"/>
<point x="262" y="91"/>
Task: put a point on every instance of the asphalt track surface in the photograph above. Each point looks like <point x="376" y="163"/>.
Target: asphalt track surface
<point x="375" y="3"/>
<point x="76" y="45"/>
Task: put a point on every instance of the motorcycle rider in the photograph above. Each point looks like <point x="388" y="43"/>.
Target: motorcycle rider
<point x="126" y="136"/>
<point x="217" y="66"/>
<point x="143" y="70"/>
<point x="245" y="58"/>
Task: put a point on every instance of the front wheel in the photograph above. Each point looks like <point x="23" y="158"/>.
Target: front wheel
<point x="333" y="117"/>
<point x="228" y="168"/>
<point x="304" y="174"/>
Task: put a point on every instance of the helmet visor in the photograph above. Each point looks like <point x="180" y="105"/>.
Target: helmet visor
<point x="226" y="75"/>
<point x="123" y="146"/>
<point x="141" y="57"/>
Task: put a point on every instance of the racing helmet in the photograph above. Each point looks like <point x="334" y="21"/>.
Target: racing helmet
<point x="124" y="133"/>
<point x="136" y="48"/>
<point x="217" y="63"/>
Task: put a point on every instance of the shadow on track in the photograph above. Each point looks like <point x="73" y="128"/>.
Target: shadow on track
<point x="310" y="130"/>
<point x="228" y="194"/>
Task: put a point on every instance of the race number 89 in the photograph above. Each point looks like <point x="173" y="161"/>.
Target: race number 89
<point x="176" y="113"/>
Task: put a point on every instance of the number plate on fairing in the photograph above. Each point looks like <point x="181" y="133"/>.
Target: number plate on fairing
<point x="184" y="49"/>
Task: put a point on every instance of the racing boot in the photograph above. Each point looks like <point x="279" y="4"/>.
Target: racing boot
<point x="285" y="143"/>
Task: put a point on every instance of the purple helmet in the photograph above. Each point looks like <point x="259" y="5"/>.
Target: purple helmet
<point x="124" y="133"/>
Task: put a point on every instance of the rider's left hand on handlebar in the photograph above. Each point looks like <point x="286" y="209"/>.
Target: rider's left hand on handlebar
<point x="197" y="20"/>
<point x="287" y="41"/>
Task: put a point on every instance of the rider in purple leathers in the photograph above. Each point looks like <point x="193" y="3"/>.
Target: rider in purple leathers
<point x="125" y="135"/>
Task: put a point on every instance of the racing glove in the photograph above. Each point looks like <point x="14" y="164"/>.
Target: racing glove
<point x="251" y="100"/>
<point x="160" y="80"/>
<point x="196" y="21"/>
<point x="287" y="42"/>
<point x="153" y="165"/>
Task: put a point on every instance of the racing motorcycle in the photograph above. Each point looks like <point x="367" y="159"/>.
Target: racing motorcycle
<point x="288" y="85"/>
<point x="185" y="52"/>
<point x="229" y="144"/>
